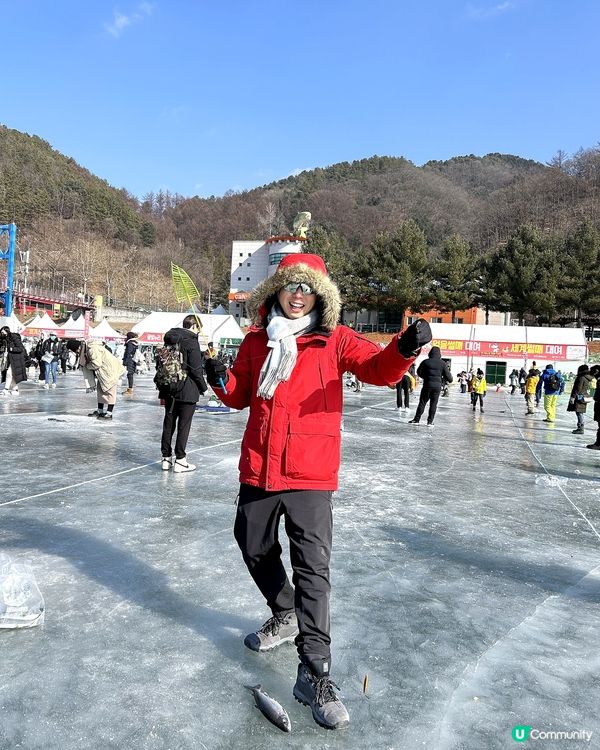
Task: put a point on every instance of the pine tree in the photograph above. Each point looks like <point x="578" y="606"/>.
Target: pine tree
<point x="395" y="270"/>
<point x="455" y="276"/>
<point x="580" y="276"/>
<point x="526" y="275"/>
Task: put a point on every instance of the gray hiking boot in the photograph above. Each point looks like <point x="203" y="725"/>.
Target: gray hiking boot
<point x="318" y="692"/>
<point x="280" y="628"/>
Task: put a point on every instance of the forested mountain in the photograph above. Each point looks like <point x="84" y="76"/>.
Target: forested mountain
<point x="37" y="181"/>
<point x="77" y="225"/>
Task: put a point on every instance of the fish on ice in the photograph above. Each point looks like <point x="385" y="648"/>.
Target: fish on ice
<point x="270" y="708"/>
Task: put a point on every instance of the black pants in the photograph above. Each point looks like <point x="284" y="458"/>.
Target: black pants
<point x="428" y="394"/>
<point x="475" y="398"/>
<point x="130" y="380"/>
<point x="178" y="415"/>
<point x="402" y="388"/>
<point x="309" y="526"/>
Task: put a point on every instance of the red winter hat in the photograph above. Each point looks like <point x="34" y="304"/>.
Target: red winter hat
<point x="298" y="267"/>
<point x="308" y="259"/>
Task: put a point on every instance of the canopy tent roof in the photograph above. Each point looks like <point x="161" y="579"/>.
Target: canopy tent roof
<point x="45" y="323"/>
<point x="74" y="326"/>
<point x="219" y="310"/>
<point x="221" y="329"/>
<point x="105" y="331"/>
<point x="12" y="322"/>
<point x="34" y="322"/>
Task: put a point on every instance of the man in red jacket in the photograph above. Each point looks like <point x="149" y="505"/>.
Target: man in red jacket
<point x="289" y="372"/>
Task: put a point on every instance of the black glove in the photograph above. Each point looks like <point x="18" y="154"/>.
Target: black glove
<point x="415" y="336"/>
<point x="216" y="373"/>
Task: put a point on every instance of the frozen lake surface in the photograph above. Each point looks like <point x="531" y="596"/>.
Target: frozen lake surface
<point x="465" y="575"/>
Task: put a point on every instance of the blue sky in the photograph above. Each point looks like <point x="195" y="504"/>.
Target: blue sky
<point x="199" y="96"/>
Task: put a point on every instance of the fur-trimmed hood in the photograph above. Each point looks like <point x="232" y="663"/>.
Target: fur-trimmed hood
<point x="301" y="268"/>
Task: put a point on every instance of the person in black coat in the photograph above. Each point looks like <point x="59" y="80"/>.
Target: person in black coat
<point x="404" y="387"/>
<point x="580" y="395"/>
<point x="179" y="410"/>
<point x="12" y="361"/>
<point x="129" y="357"/>
<point x="432" y="370"/>
<point x="522" y="379"/>
<point x="595" y="373"/>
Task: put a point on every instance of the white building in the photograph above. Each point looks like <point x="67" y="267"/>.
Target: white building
<point x="251" y="262"/>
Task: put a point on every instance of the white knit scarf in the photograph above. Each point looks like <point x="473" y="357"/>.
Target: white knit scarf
<point x="280" y="362"/>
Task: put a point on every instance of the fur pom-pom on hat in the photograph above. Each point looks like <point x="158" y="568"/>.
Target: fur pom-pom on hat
<point x="298" y="267"/>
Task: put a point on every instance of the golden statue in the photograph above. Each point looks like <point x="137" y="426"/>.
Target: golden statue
<point x="301" y="223"/>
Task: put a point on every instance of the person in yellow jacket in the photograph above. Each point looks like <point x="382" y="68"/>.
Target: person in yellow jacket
<point x="479" y="390"/>
<point x="530" y="388"/>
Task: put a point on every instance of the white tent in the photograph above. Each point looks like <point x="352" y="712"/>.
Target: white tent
<point x="12" y="322"/>
<point x="45" y="323"/>
<point x="34" y="322"/>
<point x="221" y="329"/>
<point x="74" y="326"/>
<point x="105" y="331"/>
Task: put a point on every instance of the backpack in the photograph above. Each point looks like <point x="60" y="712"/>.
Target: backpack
<point x="171" y="372"/>
<point x="553" y="382"/>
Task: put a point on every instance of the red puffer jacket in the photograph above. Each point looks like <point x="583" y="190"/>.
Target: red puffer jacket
<point x="292" y="441"/>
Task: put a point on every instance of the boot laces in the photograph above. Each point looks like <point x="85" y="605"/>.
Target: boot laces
<point x="272" y="625"/>
<point x="324" y="690"/>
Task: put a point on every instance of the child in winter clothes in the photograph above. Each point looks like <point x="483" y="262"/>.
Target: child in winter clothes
<point x="530" y="387"/>
<point x="479" y="390"/>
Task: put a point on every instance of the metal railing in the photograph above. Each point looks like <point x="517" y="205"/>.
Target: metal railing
<point x="55" y="294"/>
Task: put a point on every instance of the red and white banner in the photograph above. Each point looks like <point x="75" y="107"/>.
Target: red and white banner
<point x="151" y="338"/>
<point x="508" y="350"/>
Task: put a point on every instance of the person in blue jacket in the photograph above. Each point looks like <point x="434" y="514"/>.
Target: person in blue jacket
<point x="552" y="384"/>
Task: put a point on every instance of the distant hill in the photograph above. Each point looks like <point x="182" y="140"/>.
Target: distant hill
<point x="37" y="181"/>
<point x="363" y="197"/>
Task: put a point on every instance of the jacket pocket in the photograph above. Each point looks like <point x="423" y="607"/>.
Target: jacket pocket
<point x="313" y="448"/>
<point x="251" y="455"/>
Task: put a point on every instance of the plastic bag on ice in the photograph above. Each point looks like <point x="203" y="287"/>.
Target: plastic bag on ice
<point x="21" y="602"/>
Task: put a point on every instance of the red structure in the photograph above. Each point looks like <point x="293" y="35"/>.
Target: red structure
<point x="56" y="304"/>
